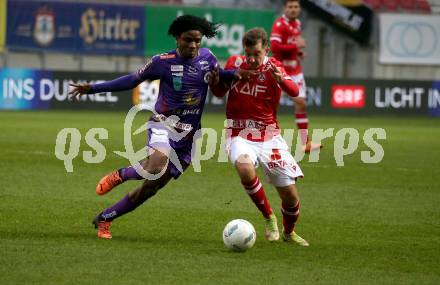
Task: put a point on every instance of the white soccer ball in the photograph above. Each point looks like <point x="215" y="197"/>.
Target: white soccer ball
<point x="239" y="235"/>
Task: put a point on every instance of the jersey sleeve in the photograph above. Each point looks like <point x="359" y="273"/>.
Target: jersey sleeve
<point x="281" y="67"/>
<point x="287" y="84"/>
<point x="276" y="39"/>
<point x="122" y="83"/>
<point x="234" y="62"/>
<point x="152" y="69"/>
<point x="276" y="34"/>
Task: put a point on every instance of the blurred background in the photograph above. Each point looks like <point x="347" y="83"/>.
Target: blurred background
<point x="372" y="70"/>
<point x="391" y="48"/>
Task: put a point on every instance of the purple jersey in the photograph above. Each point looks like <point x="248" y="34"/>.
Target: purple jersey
<point x="183" y="85"/>
<point x="182" y="93"/>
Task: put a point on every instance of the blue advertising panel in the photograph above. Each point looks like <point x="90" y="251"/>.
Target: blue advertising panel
<point x="19" y="89"/>
<point x="75" y="27"/>
<point x="32" y="89"/>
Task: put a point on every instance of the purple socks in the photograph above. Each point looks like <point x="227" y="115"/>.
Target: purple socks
<point x="129" y="173"/>
<point x="121" y="208"/>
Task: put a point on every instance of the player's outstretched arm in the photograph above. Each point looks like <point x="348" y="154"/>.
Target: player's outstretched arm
<point x="125" y="82"/>
<point x="244" y="74"/>
<point x="217" y="83"/>
<point x="78" y="90"/>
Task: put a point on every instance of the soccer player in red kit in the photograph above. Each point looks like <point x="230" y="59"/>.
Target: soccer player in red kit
<point x="287" y="46"/>
<point x="254" y="135"/>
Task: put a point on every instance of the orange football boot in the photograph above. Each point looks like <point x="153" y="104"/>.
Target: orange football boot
<point x="103" y="228"/>
<point x="108" y="182"/>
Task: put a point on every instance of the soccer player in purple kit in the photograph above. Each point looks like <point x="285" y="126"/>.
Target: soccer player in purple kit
<point x="184" y="74"/>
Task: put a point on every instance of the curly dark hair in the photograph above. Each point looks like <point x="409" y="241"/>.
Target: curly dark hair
<point x="189" y="22"/>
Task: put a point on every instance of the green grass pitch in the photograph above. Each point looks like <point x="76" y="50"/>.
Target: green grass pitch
<point x="367" y="223"/>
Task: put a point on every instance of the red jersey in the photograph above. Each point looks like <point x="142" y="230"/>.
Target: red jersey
<point x="252" y="105"/>
<point x="283" y="46"/>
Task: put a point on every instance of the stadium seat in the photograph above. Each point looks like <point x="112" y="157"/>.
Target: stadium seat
<point x="391" y="5"/>
<point x="408" y="5"/>
<point x="423" y="6"/>
<point x="376" y="5"/>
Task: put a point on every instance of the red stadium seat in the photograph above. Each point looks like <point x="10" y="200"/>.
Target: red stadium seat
<point x="409" y="5"/>
<point x="423" y="5"/>
<point x="391" y="5"/>
<point x="374" y="4"/>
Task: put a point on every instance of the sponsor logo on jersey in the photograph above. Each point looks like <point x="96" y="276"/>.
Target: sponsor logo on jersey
<point x="176" y="68"/>
<point x="191" y="100"/>
<point x="204" y="64"/>
<point x="170" y="121"/>
<point x="248" y="89"/>
<point x="275" y="155"/>
<point x="177" y="83"/>
<point x="145" y="67"/>
<point x="277" y="164"/>
<point x="348" y="96"/>
<point x="109" y="215"/>
<point x="191" y="112"/>
<point x="167" y="56"/>
<point x="246" y="124"/>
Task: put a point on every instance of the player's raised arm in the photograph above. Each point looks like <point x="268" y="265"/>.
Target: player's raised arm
<point x="218" y="83"/>
<point x="285" y="82"/>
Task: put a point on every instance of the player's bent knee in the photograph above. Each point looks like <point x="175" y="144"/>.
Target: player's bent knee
<point x="289" y="195"/>
<point x="246" y="171"/>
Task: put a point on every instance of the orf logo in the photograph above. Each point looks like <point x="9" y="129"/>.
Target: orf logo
<point x="348" y="96"/>
<point x="44" y="27"/>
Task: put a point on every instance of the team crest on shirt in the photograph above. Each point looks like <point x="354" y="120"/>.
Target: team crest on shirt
<point x="206" y="77"/>
<point x="238" y="62"/>
<point x="261" y="77"/>
<point x="192" y="70"/>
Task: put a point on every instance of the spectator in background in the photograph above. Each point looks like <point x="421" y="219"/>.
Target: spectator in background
<point x="287" y="46"/>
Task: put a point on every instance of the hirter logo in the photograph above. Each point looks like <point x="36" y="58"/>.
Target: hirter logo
<point x="348" y="96"/>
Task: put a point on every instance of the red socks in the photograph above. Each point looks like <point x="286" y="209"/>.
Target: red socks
<point x="256" y="193"/>
<point x="302" y="122"/>
<point x="290" y="216"/>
